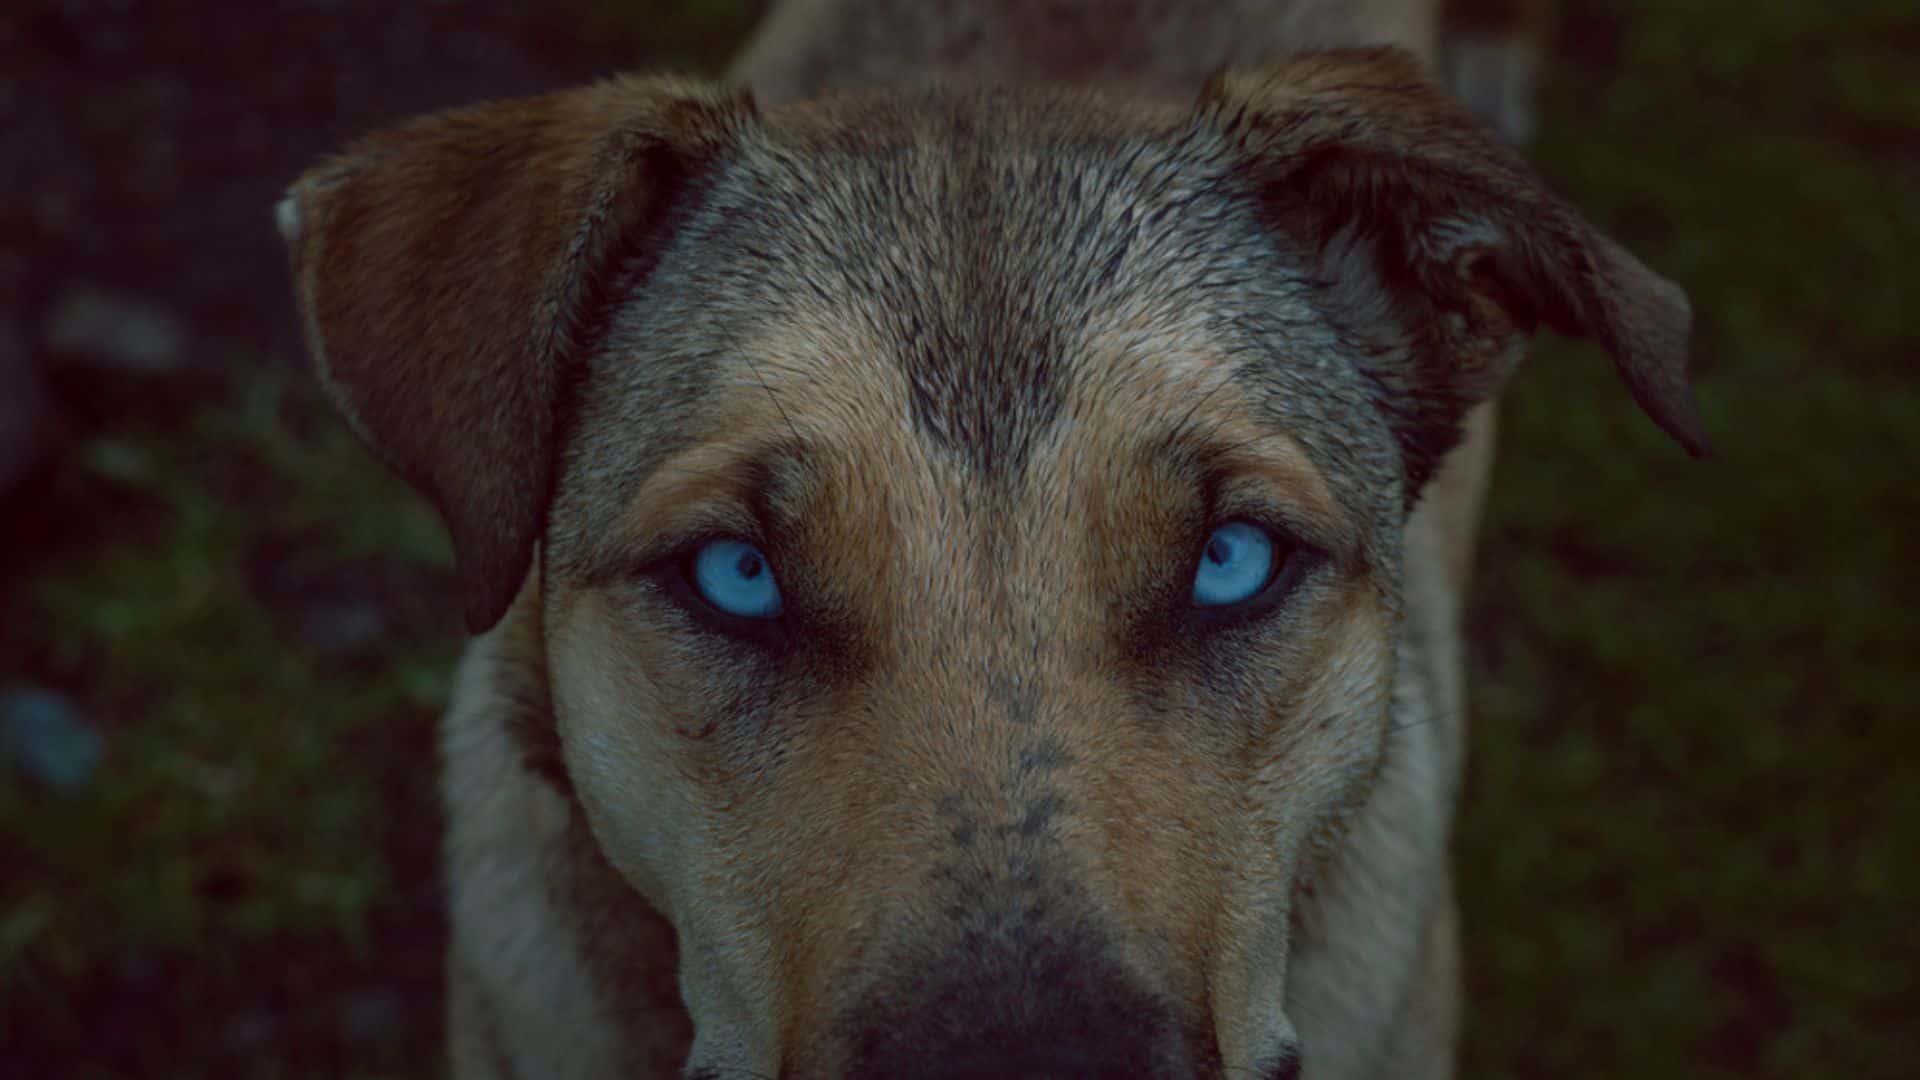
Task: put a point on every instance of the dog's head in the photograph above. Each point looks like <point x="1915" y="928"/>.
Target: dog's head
<point x="968" y="525"/>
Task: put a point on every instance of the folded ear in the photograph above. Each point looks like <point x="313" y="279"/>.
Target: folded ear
<point x="1439" y="246"/>
<point x="448" y="268"/>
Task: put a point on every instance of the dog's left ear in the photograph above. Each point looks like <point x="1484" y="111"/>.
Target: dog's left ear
<point x="1423" y="220"/>
<point x="447" y="269"/>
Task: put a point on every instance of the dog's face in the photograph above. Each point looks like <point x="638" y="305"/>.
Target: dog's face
<point x="969" y="525"/>
<point x="1080" y="531"/>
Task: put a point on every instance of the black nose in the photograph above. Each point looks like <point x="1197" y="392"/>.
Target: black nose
<point x="1036" y="1006"/>
<point x="1049" y="1060"/>
<point x="1125" y="1046"/>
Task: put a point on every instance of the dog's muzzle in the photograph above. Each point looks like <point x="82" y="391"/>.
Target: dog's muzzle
<point x="1024" y="1001"/>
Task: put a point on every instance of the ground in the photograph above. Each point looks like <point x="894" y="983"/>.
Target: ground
<point x="1688" y="839"/>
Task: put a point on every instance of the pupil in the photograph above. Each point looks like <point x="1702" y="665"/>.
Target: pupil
<point x="749" y="565"/>
<point x="1219" y="551"/>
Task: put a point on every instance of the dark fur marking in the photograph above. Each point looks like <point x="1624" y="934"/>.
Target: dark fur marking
<point x="1037" y="816"/>
<point x="534" y="733"/>
<point x="1017" y="700"/>
<point x="986" y="400"/>
<point x="520" y="689"/>
<point x="962" y="828"/>
<point x="1284" y="1065"/>
<point x="1048" y="755"/>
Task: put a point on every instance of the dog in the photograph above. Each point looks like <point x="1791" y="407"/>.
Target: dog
<point x="966" y="527"/>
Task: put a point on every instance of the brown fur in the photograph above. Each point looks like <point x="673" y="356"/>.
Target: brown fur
<point x="977" y="368"/>
<point x="526" y="202"/>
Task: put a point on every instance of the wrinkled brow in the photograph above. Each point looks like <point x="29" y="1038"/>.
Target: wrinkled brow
<point x="1243" y="465"/>
<point x="718" y="487"/>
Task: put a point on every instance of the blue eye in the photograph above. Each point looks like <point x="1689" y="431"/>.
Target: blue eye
<point x="1235" y="565"/>
<point x="736" y="578"/>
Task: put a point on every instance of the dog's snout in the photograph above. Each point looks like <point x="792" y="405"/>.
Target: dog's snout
<point x="1083" y="1048"/>
<point x="1046" y="1061"/>
<point x="1020" y="1013"/>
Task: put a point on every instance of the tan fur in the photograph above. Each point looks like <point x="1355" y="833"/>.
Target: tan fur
<point x="991" y="739"/>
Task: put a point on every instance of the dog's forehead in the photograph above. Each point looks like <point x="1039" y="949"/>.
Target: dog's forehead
<point x="980" y="263"/>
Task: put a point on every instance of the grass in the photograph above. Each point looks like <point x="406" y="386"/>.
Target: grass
<point x="263" y="824"/>
<point x="1687" y="845"/>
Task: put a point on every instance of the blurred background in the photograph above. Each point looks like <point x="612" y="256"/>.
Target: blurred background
<point x="1691" y="836"/>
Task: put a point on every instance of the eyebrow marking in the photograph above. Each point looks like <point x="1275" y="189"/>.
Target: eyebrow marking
<point x="1177" y="397"/>
<point x="1251" y="464"/>
<point x="712" y="486"/>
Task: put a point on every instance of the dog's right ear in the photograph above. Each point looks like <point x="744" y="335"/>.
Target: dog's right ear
<point x="1431" y="228"/>
<point x="446" y="268"/>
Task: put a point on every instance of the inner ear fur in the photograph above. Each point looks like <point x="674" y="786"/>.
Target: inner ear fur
<point x="1359" y="157"/>
<point x="448" y="268"/>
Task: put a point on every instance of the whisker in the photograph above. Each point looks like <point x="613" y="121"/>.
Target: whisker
<point x="734" y="340"/>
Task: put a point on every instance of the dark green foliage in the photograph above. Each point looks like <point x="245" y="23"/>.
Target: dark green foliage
<point x="1688" y="841"/>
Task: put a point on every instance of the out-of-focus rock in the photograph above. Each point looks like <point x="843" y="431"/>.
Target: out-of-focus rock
<point x="125" y="333"/>
<point x="344" y="626"/>
<point x="47" y="738"/>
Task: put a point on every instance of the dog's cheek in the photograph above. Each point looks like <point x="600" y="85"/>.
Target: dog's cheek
<point x="630" y="713"/>
<point x="611" y="702"/>
<point x="1315" y="764"/>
